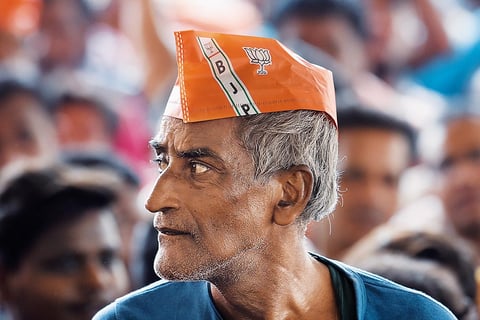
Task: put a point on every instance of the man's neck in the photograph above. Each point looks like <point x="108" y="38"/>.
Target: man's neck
<point x="292" y="287"/>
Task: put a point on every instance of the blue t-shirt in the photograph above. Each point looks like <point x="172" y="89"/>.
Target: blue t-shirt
<point x="375" y="298"/>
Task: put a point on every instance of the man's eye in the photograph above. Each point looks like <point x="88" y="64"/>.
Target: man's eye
<point x="445" y="165"/>
<point x="352" y="176"/>
<point x="474" y="156"/>
<point x="162" y="161"/>
<point x="391" y="181"/>
<point x="198" y="168"/>
<point x="65" y="264"/>
<point x="108" y="258"/>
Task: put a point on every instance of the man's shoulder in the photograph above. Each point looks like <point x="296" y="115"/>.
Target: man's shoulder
<point x="376" y="297"/>
<point x="394" y="299"/>
<point x="163" y="298"/>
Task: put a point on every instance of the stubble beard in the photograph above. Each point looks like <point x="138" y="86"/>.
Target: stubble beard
<point x="219" y="272"/>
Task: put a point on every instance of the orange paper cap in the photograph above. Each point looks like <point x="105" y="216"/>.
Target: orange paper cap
<point x="223" y="76"/>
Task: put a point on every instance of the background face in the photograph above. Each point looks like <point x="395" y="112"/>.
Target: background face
<point x="334" y="36"/>
<point x="25" y="130"/>
<point x="80" y="125"/>
<point x="371" y="162"/>
<point x="72" y="271"/>
<point x="460" y="173"/>
<point x="63" y="34"/>
<point x="211" y="214"/>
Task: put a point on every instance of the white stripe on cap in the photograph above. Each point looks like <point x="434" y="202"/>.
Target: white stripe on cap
<point x="222" y="71"/>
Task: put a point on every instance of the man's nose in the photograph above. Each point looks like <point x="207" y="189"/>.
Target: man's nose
<point x="370" y="192"/>
<point x="164" y="195"/>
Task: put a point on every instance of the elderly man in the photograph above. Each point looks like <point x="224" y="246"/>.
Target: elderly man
<point x="234" y="195"/>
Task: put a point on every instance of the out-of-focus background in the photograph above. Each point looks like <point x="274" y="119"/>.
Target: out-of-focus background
<point x="417" y="59"/>
<point x="85" y="82"/>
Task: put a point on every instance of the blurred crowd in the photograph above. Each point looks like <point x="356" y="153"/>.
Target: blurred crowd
<point x="84" y="82"/>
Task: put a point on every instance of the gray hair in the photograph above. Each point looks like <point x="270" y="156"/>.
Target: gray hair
<point x="278" y="141"/>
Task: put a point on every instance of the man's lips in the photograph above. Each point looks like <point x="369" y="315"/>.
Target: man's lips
<point x="171" y="232"/>
<point x="168" y="229"/>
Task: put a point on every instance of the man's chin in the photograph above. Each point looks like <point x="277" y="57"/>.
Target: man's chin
<point x="169" y="272"/>
<point x="175" y="272"/>
<point x="179" y="272"/>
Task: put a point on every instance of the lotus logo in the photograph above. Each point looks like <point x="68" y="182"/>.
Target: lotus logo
<point x="259" y="56"/>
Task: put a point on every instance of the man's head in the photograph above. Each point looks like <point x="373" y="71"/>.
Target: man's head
<point x="336" y="27"/>
<point x="26" y="129"/>
<point x="127" y="209"/>
<point x="459" y="169"/>
<point x="228" y="186"/>
<point x="63" y="31"/>
<point x="84" y="121"/>
<point x="374" y="151"/>
<point x="236" y="189"/>
<point x="59" y="245"/>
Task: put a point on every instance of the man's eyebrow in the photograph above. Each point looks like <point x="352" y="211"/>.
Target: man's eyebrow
<point x="156" y="145"/>
<point x="198" y="153"/>
<point x="192" y="153"/>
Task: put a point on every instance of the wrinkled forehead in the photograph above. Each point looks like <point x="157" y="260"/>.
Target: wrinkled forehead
<point x="175" y="130"/>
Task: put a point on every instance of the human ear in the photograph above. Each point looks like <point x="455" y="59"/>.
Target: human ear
<point x="297" y="185"/>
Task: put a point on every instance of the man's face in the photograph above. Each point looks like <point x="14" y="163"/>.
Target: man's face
<point x="371" y="161"/>
<point x="460" y="175"/>
<point x="25" y="131"/>
<point x="71" y="272"/>
<point x="212" y="216"/>
<point x="333" y="35"/>
<point x="63" y="34"/>
<point x="80" y="125"/>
